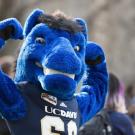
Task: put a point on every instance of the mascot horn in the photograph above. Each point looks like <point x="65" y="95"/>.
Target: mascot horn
<point x="54" y="57"/>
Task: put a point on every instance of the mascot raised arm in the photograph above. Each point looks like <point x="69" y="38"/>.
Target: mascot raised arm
<point x="55" y="56"/>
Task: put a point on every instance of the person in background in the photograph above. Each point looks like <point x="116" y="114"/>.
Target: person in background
<point x="7" y="65"/>
<point x="115" y="108"/>
<point x="121" y="123"/>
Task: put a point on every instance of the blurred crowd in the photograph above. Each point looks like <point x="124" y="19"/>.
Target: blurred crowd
<point x="119" y="107"/>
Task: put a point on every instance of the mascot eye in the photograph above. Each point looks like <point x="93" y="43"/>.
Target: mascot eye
<point x="77" y="48"/>
<point x="40" y="40"/>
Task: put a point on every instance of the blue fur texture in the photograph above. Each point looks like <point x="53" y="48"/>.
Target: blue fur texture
<point x="12" y="105"/>
<point x="31" y="21"/>
<point x="82" y="22"/>
<point x="56" y="82"/>
<point x="95" y="84"/>
<point x="56" y="52"/>
<point x="17" y="29"/>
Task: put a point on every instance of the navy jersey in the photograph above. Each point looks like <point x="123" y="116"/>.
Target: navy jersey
<point x="46" y="115"/>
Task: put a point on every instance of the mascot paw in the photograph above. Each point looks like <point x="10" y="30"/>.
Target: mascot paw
<point x="32" y="20"/>
<point x="94" y="54"/>
<point x="10" y="28"/>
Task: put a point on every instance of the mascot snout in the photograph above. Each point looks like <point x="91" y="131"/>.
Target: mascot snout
<point x="61" y="66"/>
<point x="63" y="57"/>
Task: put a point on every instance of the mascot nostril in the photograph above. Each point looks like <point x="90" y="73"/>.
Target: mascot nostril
<point x="51" y="62"/>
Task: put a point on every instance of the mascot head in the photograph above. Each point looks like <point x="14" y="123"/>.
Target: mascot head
<point x="53" y="53"/>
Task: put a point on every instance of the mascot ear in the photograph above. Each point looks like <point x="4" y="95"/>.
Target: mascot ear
<point x="84" y="25"/>
<point x="31" y="21"/>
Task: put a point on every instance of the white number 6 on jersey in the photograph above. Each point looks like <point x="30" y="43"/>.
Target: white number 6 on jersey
<point x="51" y="121"/>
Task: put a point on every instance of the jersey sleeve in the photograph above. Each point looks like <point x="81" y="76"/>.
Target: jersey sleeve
<point x="93" y="93"/>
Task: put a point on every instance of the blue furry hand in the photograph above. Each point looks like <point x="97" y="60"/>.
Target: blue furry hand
<point x="94" y="54"/>
<point x="94" y="90"/>
<point x="10" y="28"/>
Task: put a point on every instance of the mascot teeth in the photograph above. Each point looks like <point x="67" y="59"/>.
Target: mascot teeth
<point x="48" y="71"/>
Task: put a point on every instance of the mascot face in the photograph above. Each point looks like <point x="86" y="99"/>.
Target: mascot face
<point x="52" y="57"/>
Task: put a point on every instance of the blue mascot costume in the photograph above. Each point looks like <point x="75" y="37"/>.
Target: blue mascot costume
<point x="54" y="57"/>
